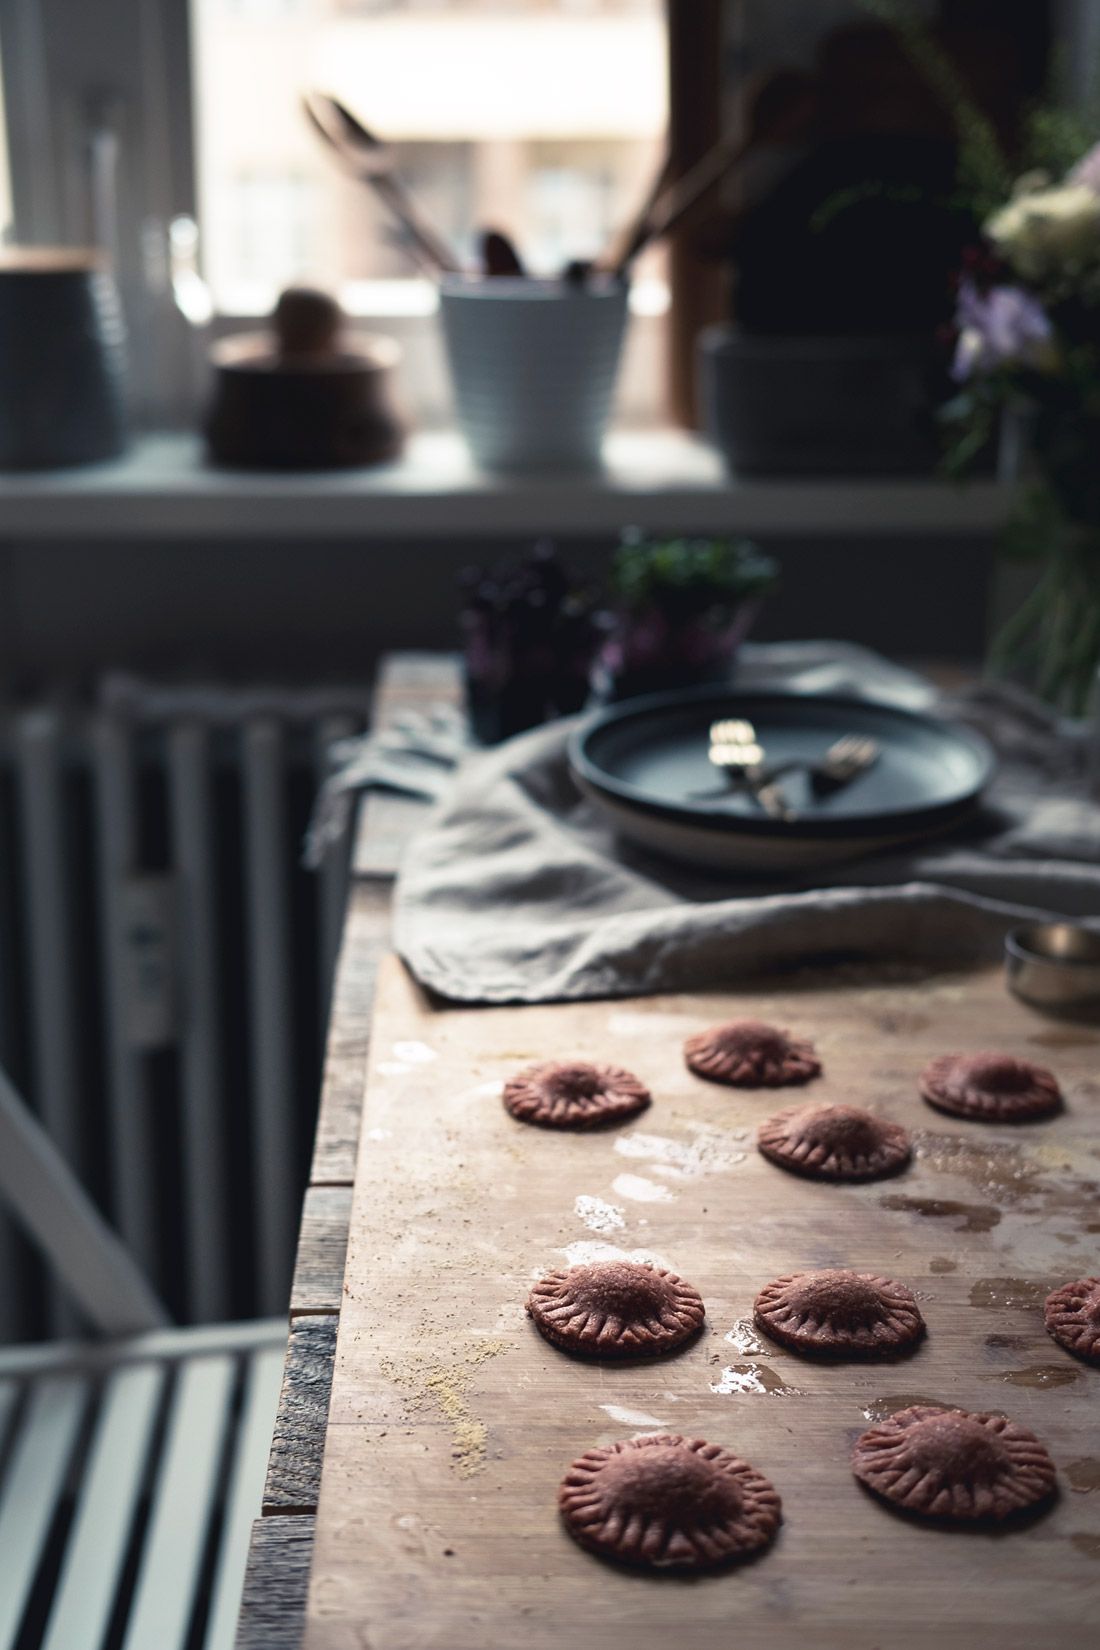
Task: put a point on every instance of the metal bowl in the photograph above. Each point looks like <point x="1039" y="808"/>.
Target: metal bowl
<point x="1055" y="966"/>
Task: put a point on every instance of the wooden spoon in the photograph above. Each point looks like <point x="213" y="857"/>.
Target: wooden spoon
<point x="498" y="254"/>
<point x="371" y="161"/>
<point x="618" y="257"/>
<point x="780" y="110"/>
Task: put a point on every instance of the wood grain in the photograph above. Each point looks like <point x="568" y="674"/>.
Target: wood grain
<point x="366" y="941"/>
<point x="322" y="1246"/>
<point x="275" y="1583"/>
<point x="272" y="1610"/>
<point x="452" y="1422"/>
<point x="298" y="1444"/>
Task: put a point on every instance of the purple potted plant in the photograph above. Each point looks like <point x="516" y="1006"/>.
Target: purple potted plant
<point x="682" y="607"/>
<point x="529" y="633"/>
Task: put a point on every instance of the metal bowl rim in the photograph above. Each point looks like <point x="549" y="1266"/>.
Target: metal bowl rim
<point x="1018" y="948"/>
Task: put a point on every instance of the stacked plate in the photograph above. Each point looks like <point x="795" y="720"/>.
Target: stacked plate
<point x="646" y="765"/>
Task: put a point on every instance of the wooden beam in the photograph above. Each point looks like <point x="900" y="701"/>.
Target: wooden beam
<point x="322" y="1245"/>
<point x="695" y="36"/>
<point x="298" y="1445"/>
<point x="274" y="1603"/>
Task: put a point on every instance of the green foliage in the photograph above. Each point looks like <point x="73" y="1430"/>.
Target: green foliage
<point x="1053" y="639"/>
<point x="984" y="177"/>
<point x="971" y="421"/>
<point x="1055" y="137"/>
<point x="1034" y="525"/>
<point x="690" y="572"/>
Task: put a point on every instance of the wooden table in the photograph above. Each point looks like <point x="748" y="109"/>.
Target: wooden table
<point x="452" y="1420"/>
<point x="273" y="1605"/>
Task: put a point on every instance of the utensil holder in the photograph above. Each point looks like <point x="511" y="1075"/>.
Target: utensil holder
<point x="533" y="365"/>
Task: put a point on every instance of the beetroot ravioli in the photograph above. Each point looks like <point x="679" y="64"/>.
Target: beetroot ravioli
<point x="948" y="1463"/>
<point x="990" y="1087"/>
<point x="616" y="1309"/>
<point x="668" y="1502"/>
<point x="841" y="1314"/>
<point x="1072" y="1316"/>
<point x="748" y="1054"/>
<point x="574" y="1094"/>
<point x="834" y="1143"/>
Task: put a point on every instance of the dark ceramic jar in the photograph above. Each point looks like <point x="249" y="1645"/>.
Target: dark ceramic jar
<point x="62" y="359"/>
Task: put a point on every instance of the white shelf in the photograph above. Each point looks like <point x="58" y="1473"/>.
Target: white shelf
<point x="658" y="480"/>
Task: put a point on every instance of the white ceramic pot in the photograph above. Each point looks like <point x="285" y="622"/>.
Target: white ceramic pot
<point x="533" y="365"/>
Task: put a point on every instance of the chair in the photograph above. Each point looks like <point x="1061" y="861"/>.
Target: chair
<point x="131" y="1467"/>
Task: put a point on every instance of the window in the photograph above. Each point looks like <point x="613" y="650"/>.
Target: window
<point x="544" y="118"/>
<point x="5" y="175"/>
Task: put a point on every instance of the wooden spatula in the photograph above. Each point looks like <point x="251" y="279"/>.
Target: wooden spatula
<point x="371" y="161"/>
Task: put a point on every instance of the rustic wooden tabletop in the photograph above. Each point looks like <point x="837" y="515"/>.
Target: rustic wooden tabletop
<point x="273" y="1605"/>
<point x="452" y="1420"/>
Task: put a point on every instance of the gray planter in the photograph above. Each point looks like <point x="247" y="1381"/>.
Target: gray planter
<point x="788" y="405"/>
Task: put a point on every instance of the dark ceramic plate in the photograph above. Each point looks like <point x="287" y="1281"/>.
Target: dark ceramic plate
<point x="646" y="760"/>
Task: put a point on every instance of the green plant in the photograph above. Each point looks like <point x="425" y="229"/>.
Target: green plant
<point x="690" y="574"/>
<point x="1028" y="341"/>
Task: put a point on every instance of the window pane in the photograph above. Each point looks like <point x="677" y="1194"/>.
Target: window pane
<point x="544" y="118"/>
<point x="5" y="175"/>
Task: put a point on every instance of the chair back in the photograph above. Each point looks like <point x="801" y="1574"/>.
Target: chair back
<point x="89" y="1260"/>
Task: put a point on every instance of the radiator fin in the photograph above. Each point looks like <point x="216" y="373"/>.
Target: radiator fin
<point x="165" y="973"/>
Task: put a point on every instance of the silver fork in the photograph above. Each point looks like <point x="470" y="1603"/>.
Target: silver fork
<point x="845" y="759"/>
<point x="735" y="749"/>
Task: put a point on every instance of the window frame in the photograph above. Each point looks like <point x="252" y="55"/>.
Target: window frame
<point x="100" y="101"/>
<point x="106" y="87"/>
<point x="99" y="112"/>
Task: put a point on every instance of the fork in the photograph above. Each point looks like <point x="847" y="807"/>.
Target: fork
<point x="845" y="759"/>
<point x="735" y="749"/>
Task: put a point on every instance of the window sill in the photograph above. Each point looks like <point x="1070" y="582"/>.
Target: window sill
<point x="660" y="480"/>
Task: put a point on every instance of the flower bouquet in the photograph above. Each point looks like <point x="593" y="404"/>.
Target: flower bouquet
<point x="1028" y="342"/>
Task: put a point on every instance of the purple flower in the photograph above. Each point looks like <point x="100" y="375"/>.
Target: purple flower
<point x="1003" y="326"/>
<point x="1087" y="170"/>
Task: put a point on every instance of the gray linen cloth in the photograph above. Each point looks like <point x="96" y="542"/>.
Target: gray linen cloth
<point x="516" y="890"/>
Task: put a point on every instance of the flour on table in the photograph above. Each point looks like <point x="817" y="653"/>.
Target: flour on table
<point x="599" y="1216"/>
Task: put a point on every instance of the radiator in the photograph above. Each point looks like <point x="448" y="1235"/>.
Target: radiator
<point x="165" y="970"/>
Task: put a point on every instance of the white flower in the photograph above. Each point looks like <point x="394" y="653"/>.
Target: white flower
<point x="1047" y="232"/>
<point x="1087" y="170"/>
